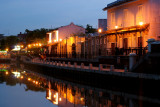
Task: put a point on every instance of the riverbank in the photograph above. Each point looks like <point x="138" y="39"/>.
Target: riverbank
<point x="124" y="81"/>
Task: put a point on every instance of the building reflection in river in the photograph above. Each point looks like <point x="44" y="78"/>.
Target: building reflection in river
<point x="68" y="94"/>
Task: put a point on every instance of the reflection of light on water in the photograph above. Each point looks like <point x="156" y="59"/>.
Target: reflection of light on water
<point x="22" y="77"/>
<point x="16" y="74"/>
<point x="49" y="96"/>
<point x="7" y="73"/>
<point x="56" y="99"/>
<point x="29" y="79"/>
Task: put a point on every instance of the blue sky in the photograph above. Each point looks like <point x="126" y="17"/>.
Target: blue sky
<point x="18" y="15"/>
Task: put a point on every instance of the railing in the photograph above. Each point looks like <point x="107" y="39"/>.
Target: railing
<point x="107" y="52"/>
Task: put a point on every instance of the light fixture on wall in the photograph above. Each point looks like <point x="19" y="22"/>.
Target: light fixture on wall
<point x="141" y="23"/>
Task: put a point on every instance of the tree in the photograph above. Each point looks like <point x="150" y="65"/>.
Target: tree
<point x="9" y="42"/>
<point x="90" y="29"/>
<point x="33" y="36"/>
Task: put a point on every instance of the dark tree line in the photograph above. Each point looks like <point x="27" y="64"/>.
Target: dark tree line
<point x="8" y="42"/>
<point x="36" y="35"/>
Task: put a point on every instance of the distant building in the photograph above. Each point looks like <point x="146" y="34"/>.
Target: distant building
<point x="65" y="39"/>
<point x="102" y="24"/>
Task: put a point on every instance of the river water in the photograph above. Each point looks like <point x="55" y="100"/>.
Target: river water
<point x="20" y="87"/>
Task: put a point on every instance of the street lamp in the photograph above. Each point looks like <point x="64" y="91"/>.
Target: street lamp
<point x="66" y="47"/>
<point x="141" y="24"/>
<point x="116" y="49"/>
<point x="60" y="46"/>
<point x="116" y="35"/>
<point x="99" y="31"/>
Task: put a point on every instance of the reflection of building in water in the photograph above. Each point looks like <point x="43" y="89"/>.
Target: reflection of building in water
<point x="69" y="96"/>
<point x="64" y="96"/>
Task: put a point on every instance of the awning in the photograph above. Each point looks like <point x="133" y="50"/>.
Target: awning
<point x="130" y="29"/>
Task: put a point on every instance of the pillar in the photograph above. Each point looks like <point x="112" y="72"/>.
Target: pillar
<point x="150" y="41"/>
<point x="132" y="60"/>
<point x="82" y="65"/>
<point x="90" y="66"/>
<point x="112" y="68"/>
<point x="100" y="67"/>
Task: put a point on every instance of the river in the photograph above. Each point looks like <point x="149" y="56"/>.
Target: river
<point x="20" y="87"/>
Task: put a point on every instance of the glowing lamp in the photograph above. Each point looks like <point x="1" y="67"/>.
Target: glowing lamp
<point x="116" y="27"/>
<point x="140" y="23"/>
<point x="40" y="44"/>
<point x="29" y="46"/>
<point x="100" y="30"/>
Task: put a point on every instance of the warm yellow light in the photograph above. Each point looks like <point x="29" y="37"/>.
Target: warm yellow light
<point x="116" y="27"/>
<point x="55" y="40"/>
<point x="100" y="30"/>
<point x="49" y="95"/>
<point x="7" y="49"/>
<point x="22" y="77"/>
<point x="60" y="99"/>
<point x="57" y="36"/>
<point x="36" y="44"/>
<point x="36" y="82"/>
<point x="40" y="44"/>
<point x="29" y="45"/>
<point x="54" y="96"/>
<point x="29" y="79"/>
<point x="140" y="23"/>
<point x="50" y="37"/>
<point x="82" y="99"/>
<point x="22" y="46"/>
<point x="6" y="73"/>
<point x="60" y="39"/>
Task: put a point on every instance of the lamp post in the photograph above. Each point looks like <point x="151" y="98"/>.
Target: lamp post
<point x="99" y="31"/>
<point x="141" y="24"/>
<point x="66" y="48"/>
<point x="116" y="35"/>
<point x="60" y="47"/>
<point x="116" y="49"/>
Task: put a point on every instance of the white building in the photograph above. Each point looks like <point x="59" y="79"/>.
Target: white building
<point x="131" y="23"/>
<point x="60" y="35"/>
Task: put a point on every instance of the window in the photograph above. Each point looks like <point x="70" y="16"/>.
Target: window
<point x="125" y="14"/>
<point x="97" y="41"/>
<point x="112" y="18"/>
<point x="100" y="40"/>
<point x="140" y="12"/>
<point x="104" y="40"/>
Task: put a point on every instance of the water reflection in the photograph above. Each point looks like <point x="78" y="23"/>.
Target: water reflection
<point x="67" y="94"/>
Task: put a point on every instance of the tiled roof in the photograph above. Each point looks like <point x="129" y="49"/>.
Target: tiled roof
<point x="116" y="3"/>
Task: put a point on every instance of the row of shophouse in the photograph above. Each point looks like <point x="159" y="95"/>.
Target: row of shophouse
<point x="130" y="23"/>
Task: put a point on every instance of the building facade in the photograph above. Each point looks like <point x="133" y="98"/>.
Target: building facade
<point x="65" y="39"/>
<point x="131" y="23"/>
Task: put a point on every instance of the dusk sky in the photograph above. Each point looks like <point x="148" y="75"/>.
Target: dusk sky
<point x="18" y="15"/>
